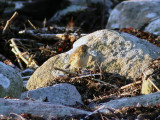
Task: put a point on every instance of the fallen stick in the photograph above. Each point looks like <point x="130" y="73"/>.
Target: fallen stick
<point x="66" y="71"/>
<point x="44" y="22"/>
<point x="104" y="83"/>
<point x="150" y="79"/>
<point x="83" y="76"/>
<point x="101" y="107"/>
<point x="27" y="42"/>
<point x="32" y="25"/>
<point x="29" y="62"/>
<point x="42" y="36"/>
<point x="131" y="84"/>
<point x="153" y="84"/>
<point x="22" y="118"/>
<point x="9" y="22"/>
<point x="19" y="61"/>
<point x="17" y="51"/>
<point x="97" y="80"/>
<point x="99" y="69"/>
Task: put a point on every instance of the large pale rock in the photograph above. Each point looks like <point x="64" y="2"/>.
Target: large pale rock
<point x="134" y="14"/>
<point x="154" y="27"/>
<point x="47" y="110"/>
<point x="10" y="81"/>
<point x="119" y="53"/>
<point x="64" y="93"/>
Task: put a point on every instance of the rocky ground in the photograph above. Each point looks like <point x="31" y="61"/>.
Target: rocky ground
<point x="124" y="63"/>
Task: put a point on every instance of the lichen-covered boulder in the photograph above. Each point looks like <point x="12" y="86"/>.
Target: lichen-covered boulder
<point x="116" y="52"/>
<point x="11" y="83"/>
<point x="136" y="14"/>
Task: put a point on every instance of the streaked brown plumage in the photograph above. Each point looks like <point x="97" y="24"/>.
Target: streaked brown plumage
<point x="79" y="58"/>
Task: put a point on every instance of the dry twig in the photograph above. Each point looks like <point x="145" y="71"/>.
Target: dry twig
<point x="66" y="71"/>
<point x="22" y="118"/>
<point x="9" y="22"/>
<point x="103" y="106"/>
<point x="44" y="22"/>
<point x="99" y="81"/>
<point x="29" y="62"/>
<point x="131" y="84"/>
<point x="83" y="76"/>
<point x="153" y="84"/>
<point x="99" y="69"/>
<point x="42" y="36"/>
<point x="34" y="27"/>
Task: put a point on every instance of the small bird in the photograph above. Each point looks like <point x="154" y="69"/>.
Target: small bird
<point x="79" y="58"/>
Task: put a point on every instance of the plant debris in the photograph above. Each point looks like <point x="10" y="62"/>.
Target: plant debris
<point x="154" y="39"/>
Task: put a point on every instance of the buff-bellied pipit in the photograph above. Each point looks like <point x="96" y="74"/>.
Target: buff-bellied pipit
<point x="79" y="58"/>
